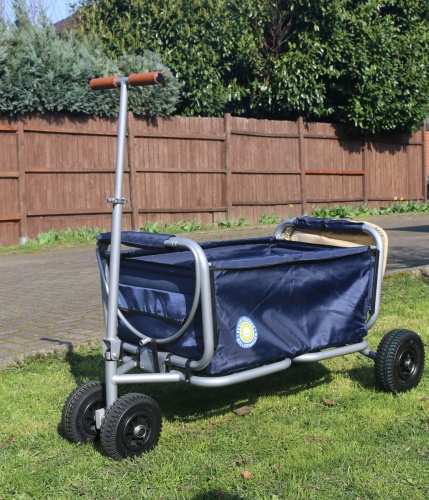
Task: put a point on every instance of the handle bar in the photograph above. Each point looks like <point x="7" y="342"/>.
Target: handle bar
<point x="136" y="80"/>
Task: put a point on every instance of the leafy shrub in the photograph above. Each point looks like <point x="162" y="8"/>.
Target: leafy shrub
<point x="269" y="219"/>
<point x="358" y="63"/>
<point x="350" y="212"/>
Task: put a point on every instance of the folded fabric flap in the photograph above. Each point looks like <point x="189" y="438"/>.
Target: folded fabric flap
<point x="159" y="303"/>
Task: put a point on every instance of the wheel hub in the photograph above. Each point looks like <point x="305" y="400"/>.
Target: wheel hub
<point x="406" y="365"/>
<point x="140" y="431"/>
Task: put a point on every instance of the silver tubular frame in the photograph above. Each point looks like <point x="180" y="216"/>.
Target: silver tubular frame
<point x="111" y="364"/>
<point x="175" y="368"/>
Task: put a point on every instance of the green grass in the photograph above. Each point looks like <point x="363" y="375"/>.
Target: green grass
<point x="369" y="445"/>
<point x="52" y="238"/>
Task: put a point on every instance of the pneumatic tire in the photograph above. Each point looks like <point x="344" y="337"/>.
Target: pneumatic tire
<point x="399" y="361"/>
<point x="78" y="415"/>
<point x="132" y="426"/>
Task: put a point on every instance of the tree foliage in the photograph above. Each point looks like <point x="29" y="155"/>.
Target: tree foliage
<point x="359" y="62"/>
<point x="41" y="72"/>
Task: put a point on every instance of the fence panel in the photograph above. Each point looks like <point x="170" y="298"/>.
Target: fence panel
<point x="264" y="168"/>
<point x="56" y="172"/>
<point x="396" y="168"/>
<point x="178" y="167"/>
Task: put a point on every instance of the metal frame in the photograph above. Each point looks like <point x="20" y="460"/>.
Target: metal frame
<point x="170" y="367"/>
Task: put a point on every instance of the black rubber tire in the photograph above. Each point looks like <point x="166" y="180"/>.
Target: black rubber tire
<point x="399" y="361"/>
<point x="78" y="416"/>
<point x="132" y="426"/>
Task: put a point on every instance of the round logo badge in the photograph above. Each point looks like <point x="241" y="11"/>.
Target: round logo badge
<point x="246" y="333"/>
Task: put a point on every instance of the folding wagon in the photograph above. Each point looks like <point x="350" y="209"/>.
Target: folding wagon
<point x="223" y="312"/>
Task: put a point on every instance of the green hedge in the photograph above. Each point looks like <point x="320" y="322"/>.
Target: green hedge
<point x="360" y="63"/>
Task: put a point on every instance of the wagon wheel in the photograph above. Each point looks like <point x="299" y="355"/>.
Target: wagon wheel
<point x="132" y="426"/>
<point x="78" y="416"/>
<point x="399" y="361"/>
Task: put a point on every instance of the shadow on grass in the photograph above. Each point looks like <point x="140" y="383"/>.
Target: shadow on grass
<point x="83" y="367"/>
<point x="188" y="403"/>
<point x="215" y="494"/>
<point x="364" y="376"/>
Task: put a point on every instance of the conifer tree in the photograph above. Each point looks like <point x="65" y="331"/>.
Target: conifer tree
<point x="41" y="72"/>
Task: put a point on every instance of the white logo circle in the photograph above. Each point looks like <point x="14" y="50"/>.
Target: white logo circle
<point x="246" y="333"/>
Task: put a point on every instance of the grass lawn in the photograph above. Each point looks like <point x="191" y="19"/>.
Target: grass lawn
<point x="290" y="443"/>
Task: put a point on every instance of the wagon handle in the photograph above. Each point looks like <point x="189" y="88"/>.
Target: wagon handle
<point x="136" y="80"/>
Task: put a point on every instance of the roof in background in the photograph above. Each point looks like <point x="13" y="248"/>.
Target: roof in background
<point x="65" y="24"/>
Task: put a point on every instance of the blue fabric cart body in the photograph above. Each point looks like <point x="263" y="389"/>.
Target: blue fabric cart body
<point x="272" y="299"/>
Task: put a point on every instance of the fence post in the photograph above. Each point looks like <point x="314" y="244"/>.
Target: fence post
<point x="300" y="124"/>
<point x="228" y="172"/>
<point x="425" y="166"/>
<point x="365" y="173"/>
<point x="22" y="200"/>
<point x="132" y="174"/>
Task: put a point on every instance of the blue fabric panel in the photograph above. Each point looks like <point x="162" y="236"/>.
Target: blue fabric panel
<point x="296" y="308"/>
<point x="280" y="253"/>
<point x="168" y="305"/>
<point x="156" y="298"/>
<point x="143" y="273"/>
<point x="256" y="252"/>
<point x="189" y="345"/>
<point x="338" y="225"/>
<point x="138" y="239"/>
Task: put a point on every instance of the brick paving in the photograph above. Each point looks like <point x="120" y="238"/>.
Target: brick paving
<point x="52" y="299"/>
<point x="49" y="300"/>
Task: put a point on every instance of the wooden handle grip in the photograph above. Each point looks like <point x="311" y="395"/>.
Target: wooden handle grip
<point x="108" y="82"/>
<point x="137" y="80"/>
<point x="146" y="79"/>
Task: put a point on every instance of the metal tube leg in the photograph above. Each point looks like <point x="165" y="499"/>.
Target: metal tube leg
<point x="112" y="343"/>
<point x="111" y="388"/>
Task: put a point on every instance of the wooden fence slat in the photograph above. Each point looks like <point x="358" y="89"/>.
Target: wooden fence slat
<point x="70" y="171"/>
<point x="177" y="171"/>
<point x="302" y="164"/>
<point x="132" y="171"/>
<point x="22" y="195"/>
<point x="335" y="200"/>
<point x="9" y="175"/>
<point x="227" y="164"/>
<point x="8" y="128"/>
<point x="266" y="172"/>
<point x="74" y="211"/>
<point x="264" y="203"/>
<point x="190" y="137"/>
<point x="69" y="131"/>
<point x="264" y="134"/>
<point x="10" y="218"/>
<point x="172" y="210"/>
<point x="334" y="172"/>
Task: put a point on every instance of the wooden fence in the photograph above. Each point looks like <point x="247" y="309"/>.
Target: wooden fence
<point x="56" y="172"/>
